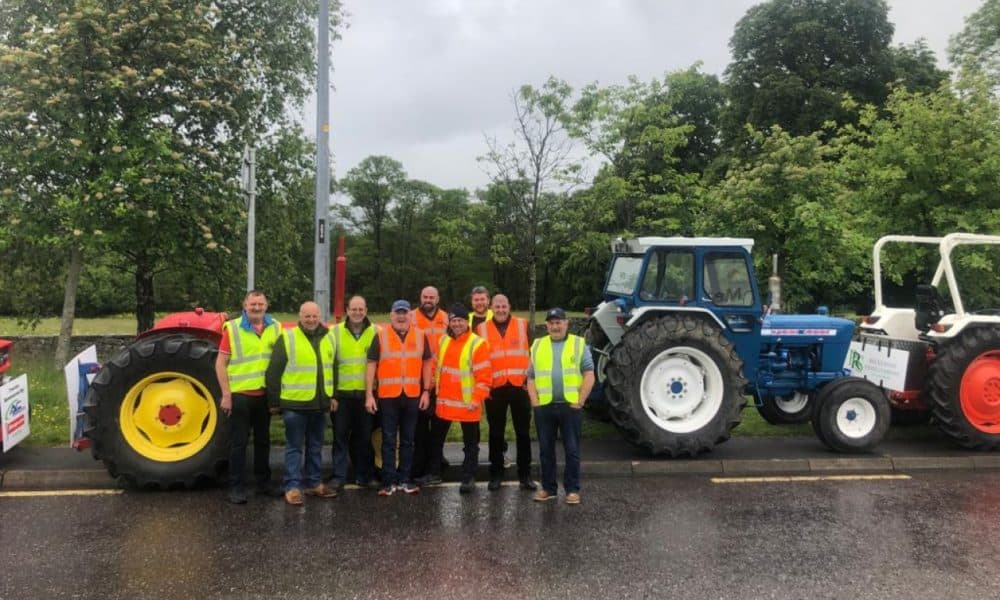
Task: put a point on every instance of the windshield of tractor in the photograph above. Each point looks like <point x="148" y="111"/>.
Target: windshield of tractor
<point x="624" y="274"/>
<point x="727" y="280"/>
<point x="669" y="276"/>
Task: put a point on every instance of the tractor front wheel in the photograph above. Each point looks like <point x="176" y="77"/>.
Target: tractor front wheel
<point x="852" y="416"/>
<point x="964" y="388"/>
<point x="153" y="416"/>
<point x="786" y="410"/>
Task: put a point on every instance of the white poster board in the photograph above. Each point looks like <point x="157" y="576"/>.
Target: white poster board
<point x="878" y="364"/>
<point x="14" y="404"/>
<point x="72" y="372"/>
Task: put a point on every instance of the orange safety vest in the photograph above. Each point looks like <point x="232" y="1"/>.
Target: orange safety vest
<point x="435" y="327"/>
<point x="509" y="354"/>
<point x="463" y="378"/>
<point x="400" y="363"/>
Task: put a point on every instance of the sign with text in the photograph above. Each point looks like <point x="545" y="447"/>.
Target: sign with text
<point x="14" y="404"/>
<point x="78" y="378"/>
<point x="882" y="365"/>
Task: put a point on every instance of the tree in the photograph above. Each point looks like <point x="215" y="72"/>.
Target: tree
<point x="119" y="121"/>
<point x="794" y="60"/>
<point x="915" y="67"/>
<point x="976" y="48"/>
<point x="528" y="167"/>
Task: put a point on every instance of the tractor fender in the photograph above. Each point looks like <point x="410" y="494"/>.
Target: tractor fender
<point x="642" y="313"/>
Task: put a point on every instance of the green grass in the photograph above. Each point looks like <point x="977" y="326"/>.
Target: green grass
<point x="47" y="398"/>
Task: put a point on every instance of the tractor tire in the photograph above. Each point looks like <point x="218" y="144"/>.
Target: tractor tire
<point x="852" y="417"/>
<point x="963" y="388"/>
<point x="821" y="396"/>
<point x="787" y="410"/>
<point x="153" y="416"/>
<point x="600" y="350"/>
<point x="675" y="386"/>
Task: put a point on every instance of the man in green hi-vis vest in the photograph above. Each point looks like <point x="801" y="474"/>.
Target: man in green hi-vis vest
<point x="560" y="377"/>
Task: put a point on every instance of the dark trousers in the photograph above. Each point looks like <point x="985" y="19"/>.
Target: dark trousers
<point x="423" y="449"/>
<point x="352" y="431"/>
<point x="496" y="415"/>
<point x="470" y="446"/>
<point x="250" y="413"/>
<point x="561" y="417"/>
<point x="398" y="415"/>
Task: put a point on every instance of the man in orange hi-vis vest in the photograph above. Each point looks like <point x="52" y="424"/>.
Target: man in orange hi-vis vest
<point x="399" y="375"/>
<point x="463" y="381"/>
<point x="507" y="336"/>
<point x="433" y="321"/>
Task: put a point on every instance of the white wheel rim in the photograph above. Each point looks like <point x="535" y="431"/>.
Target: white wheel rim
<point x="856" y="418"/>
<point x="681" y="389"/>
<point x="793" y="404"/>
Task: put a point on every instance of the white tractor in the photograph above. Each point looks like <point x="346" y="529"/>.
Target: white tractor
<point x="935" y="357"/>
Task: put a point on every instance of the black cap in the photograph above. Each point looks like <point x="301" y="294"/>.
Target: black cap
<point x="458" y="310"/>
<point x="555" y="313"/>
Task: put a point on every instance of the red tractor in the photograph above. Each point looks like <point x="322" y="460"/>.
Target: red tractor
<point x="152" y="412"/>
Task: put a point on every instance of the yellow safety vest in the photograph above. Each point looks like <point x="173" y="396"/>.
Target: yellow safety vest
<point x="249" y="355"/>
<point x="542" y="363"/>
<point x="352" y="357"/>
<point x="489" y="315"/>
<point x="298" y="382"/>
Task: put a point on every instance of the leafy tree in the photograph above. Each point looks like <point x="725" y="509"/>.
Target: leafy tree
<point x="977" y="47"/>
<point x="528" y="168"/>
<point x="794" y="60"/>
<point x="915" y="67"/>
<point x="120" y="119"/>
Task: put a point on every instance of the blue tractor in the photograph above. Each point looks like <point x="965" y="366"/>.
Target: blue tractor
<point x="682" y="338"/>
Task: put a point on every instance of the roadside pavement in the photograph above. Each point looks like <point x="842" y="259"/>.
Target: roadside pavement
<point x="65" y="468"/>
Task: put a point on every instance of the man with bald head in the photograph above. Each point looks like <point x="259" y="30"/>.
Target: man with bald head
<point x="433" y="322"/>
<point x="507" y="336"/>
<point x="300" y="382"/>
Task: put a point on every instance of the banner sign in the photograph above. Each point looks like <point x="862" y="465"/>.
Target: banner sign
<point x="14" y="404"/>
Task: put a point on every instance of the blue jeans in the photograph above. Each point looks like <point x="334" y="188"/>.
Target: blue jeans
<point x="303" y="428"/>
<point x="398" y="414"/>
<point x="550" y="418"/>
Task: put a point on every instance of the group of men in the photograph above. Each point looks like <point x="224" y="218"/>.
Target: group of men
<point x="427" y="369"/>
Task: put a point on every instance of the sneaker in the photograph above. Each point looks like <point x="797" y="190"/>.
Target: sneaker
<point x="543" y="496"/>
<point x="507" y="463"/>
<point x="323" y="491"/>
<point x="386" y="490"/>
<point x="527" y="484"/>
<point x="429" y="479"/>
<point x="573" y="498"/>
<point x="293" y="497"/>
<point x="466" y="487"/>
<point x="409" y="488"/>
<point x="237" y="495"/>
<point x="493" y="485"/>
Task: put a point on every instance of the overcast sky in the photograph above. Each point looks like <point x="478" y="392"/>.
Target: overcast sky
<point x="423" y="80"/>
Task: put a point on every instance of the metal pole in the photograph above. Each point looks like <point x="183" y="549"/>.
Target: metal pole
<point x="321" y="262"/>
<point x="251" y="190"/>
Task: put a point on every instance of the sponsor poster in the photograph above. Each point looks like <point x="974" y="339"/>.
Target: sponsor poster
<point x="14" y="404"/>
<point x="878" y="364"/>
<point x="74" y="374"/>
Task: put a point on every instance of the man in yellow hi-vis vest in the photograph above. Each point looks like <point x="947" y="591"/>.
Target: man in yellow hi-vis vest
<point x="300" y="382"/>
<point x="559" y="380"/>
<point x="244" y="351"/>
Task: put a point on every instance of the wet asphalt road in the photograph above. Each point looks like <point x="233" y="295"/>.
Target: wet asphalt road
<point x="933" y="536"/>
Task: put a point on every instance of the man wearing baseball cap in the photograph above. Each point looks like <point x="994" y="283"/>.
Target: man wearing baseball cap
<point x="559" y="380"/>
<point x="399" y="376"/>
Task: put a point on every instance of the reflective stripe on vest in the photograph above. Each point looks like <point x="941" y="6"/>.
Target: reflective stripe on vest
<point x="508" y="353"/>
<point x="456" y="381"/>
<point x="572" y="377"/>
<point x="352" y="356"/>
<point x="249" y="355"/>
<point x="400" y="363"/>
<point x="464" y="371"/>
<point x="298" y="382"/>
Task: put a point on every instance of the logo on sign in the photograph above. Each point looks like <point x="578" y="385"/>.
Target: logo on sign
<point x="856" y="362"/>
<point x="15" y="408"/>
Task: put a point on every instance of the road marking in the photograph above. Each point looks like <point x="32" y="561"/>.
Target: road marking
<point x="807" y="478"/>
<point x="41" y="493"/>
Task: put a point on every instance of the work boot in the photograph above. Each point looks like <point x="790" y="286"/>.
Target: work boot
<point x="467" y="486"/>
<point x="494" y="485"/>
<point x="528" y="484"/>
<point x="237" y="495"/>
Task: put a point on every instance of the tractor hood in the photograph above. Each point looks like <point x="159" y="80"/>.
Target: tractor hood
<point x="795" y="327"/>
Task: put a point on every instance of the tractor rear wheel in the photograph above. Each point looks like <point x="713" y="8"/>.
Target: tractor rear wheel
<point x="786" y="410"/>
<point x="853" y="416"/>
<point x="600" y="350"/>
<point x="675" y="386"/>
<point x="153" y="416"/>
<point x="964" y="388"/>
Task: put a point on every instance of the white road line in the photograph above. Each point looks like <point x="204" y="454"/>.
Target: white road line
<point x="808" y="478"/>
<point x="42" y="493"/>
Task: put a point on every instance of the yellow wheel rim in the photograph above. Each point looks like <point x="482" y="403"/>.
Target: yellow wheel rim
<point x="168" y="417"/>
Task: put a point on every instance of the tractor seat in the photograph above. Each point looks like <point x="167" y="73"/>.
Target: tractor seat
<point x="929" y="309"/>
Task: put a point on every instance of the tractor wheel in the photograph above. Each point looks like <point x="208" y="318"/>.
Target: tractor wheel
<point x="675" y="386"/>
<point x="964" y="388"/>
<point x="852" y="417"/>
<point x="153" y="416"/>
<point x="600" y="350"/>
<point x="821" y="397"/>
<point x="787" y="410"/>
